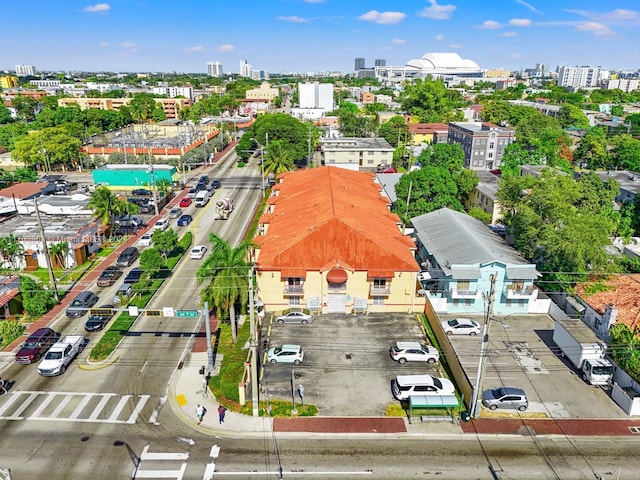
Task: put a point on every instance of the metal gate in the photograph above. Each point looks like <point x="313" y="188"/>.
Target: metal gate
<point x="337" y="303"/>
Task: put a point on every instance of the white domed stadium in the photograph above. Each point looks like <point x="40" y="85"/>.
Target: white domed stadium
<point x="436" y="65"/>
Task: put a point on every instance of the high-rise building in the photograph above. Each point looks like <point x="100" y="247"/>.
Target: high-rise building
<point x="577" y="77"/>
<point x="359" y="64"/>
<point x="316" y="95"/>
<point x="245" y="69"/>
<point x="25" y="70"/>
<point x="214" y="69"/>
<point x="380" y="62"/>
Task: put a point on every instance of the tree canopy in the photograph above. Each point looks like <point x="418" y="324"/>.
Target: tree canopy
<point x="431" y="101"/>
<point x="276" y="126"/>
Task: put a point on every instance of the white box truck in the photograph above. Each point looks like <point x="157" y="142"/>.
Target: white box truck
<point x="202" y="198"/>
<point x="585" y="351"/>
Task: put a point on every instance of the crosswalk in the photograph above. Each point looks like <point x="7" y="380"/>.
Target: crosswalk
<point x="171" y="465"/>
<point x="72" y="407"/>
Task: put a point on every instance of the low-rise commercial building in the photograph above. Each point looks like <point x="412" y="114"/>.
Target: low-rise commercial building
<point x="356" y="153"/>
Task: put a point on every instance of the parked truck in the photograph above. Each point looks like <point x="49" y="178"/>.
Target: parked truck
<point x="585" y="351"/>
<point x="202" y="198"/>
<point x="60" y="355"/>
<point x="224" y="206"/>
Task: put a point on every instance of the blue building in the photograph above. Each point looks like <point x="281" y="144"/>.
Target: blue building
<point x="463" y="257"/>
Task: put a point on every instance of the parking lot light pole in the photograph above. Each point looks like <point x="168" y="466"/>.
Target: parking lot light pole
<point x="483" y="348"/>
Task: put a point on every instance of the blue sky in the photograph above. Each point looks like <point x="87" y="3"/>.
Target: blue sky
<point x="315" y="35"/>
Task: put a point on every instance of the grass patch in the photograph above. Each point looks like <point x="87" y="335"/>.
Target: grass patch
<point x="279" y="408"/>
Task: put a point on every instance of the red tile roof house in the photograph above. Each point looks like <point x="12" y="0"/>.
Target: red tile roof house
<point x="328" y="242"/>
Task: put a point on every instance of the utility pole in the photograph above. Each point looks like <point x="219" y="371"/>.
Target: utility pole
<point x="253" y="345"/>
<point x="207" y="329"/>
<point x="483" y="345"/>
<point x="52" y="277"/>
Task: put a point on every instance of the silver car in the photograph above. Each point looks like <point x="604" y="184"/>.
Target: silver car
<point x="294" y="317"/>
<point x="175" y="212"/>
<point x="505" y="397"/>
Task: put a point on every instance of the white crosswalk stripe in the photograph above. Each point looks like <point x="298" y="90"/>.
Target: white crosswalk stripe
<point x="72" y="407"/>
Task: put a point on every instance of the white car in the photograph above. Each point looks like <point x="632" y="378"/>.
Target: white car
<point x="161" y="224"/>
<point x="198" y="252"/>
<point x="145" y="240"/>
<point x="460" y="326"/>
<point x="286" y="354"/>
<point x="403" y="352"/>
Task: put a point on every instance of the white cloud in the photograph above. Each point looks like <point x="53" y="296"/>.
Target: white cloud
<point x="529" y="6"/>
<point x="398" y="41"/>
<point x="596" y="28"/>
<point x="98" y="8"/>
<point x="127" y="45"/>
<point x="621" y="14"/>
<point x="455" y="46"/>
<point x="437" y="12"/>
<point x="103" y="44"/>
<point x="439" y="37"/>
<point x="195" y="48"/>
<point x="225" y="47"/>
<point x="383" y="18"/>
<point x="509" y="34"/>
<point x="490" y="25"/>
<point x="293" y="19"/>
<point x="520" y="22"/>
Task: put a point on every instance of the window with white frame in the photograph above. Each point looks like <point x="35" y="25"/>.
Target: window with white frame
<point x="294" y="300"/>
<point x="379" y="301"/>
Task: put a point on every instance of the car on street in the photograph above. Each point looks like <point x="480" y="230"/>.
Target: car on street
<point x="127" y="257"/>
<point x="192" y="193"/>
<point x="460" y="326"/>
<point x="200" y="186"/>
<point x="405" y="386"/>
<point x="124" y="292"/>
<point x="215" y="183"/>
<point x="185" y="202"/>
<point x="185" y="220"/>
<point x="403" y="352"/>
<point x="175" y="212"/>
<point x="285" y="354"/>
<point x="203" y="179"/>
<point x="146" y="240"/>
<point x="294" y="316"/>
<point x="143" y="192"/>
<point x="133" y="276"/>
<point x="198" y="252"/>
<point x="81" y="304"/>
<point x="128" y="221"/>
<point x="161" y="224"/>
<point x="37" y="344"/>
<point x="109" y="276"/>
<point x="97" y="321"/>
<point x="383" y="168"/>
<point x="505" y="397"/>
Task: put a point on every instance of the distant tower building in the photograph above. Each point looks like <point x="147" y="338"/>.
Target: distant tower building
<point x="25" y="70"/>
<point x="577" y="77"/>
<point x="316" y="95"/>
<point x="214" y="69"/>
<point x="359" y="64"/>
<point x="245" y="68"/>
<point x="380" y="62"/>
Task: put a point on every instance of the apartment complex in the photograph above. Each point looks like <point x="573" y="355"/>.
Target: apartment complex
<point x="316" y="95"/>
<point x="25" y="70"/>
<point x="264" y="92"/>
<point x="578" y="77"/>
<point x="214" y="69"/>
<point x="8" y="81"/>
<point x="356" y="153"/>
<point x="483" y="143"/>
<point x="171" y="106"/>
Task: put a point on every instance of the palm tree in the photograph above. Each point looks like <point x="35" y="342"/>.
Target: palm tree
<point x="227" y="270"/>
<point x="10" y="248"/>
<point x="102" y="204"/>
<point x="279" y="158"/>
<point x="59" y="251"/>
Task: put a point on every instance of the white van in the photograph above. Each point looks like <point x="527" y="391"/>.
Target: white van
<point x="404" y="386"/>
<point x="202" y="198"/>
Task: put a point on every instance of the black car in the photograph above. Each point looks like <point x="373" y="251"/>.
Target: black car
<point x="143" y="192"/>
<point x="203" y="179"/>
<point x="133" y="276"/>
<point x="109" y="276"/>
<point x="99" y="321"/>
<point x="127" y="257"/>
<point x="215" y="183"/>
<point x="200" y="186"/>
<point x="83" y="302"/>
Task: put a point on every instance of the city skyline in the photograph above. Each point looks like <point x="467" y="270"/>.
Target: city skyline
<point x="314" y="35"/>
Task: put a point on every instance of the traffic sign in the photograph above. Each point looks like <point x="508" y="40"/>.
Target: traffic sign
<point x="186" y="313"/>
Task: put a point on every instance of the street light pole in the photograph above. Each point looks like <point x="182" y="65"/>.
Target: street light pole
<point x="153" y="183"/>
<point x="264" y="189"/>
<point x="45" y="247"/>
<point x="483" y="348"/>
<point x="253" y="343"/>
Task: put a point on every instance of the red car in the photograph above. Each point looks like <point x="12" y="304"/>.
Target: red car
<point x="185" y="202"/>
<point x="387" y="170"/>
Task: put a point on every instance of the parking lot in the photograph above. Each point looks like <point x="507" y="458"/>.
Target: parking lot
<point x="347" y="370"/>
<point x="521" y="353"/>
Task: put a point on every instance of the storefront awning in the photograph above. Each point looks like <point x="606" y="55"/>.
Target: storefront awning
<point x="337" y="275"/>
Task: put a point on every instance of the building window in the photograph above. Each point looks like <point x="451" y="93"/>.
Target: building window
<point x="463" y="285"/>
<point x="378" y="301"/>
<point x="490" y="154"/>
<point x="294" y="300"/>
<point x="492" y="145"/>
<point x="295" y="281"/>
<point x="379" y="282"/>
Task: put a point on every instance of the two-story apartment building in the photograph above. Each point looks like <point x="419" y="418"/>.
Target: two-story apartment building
<point x="356" y="153"/>
<point x="429" y="133"/>
<point x="484" y="196"/>
<point x="483" y="143"/>
<point x="328" y="242"/>
<point x="469" y="264"/>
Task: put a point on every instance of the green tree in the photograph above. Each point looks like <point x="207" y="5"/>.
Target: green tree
<point x="59" y="252"/>
<point x="5" y="114"/>
<point x="571" y="116"/>
<point x="279" y="158"/>
<point x="592" y="148"/>
<point x="151" y="261"/>
<point x="480" y="214"/>
<point x="142" y="106"/>
<point x="227" y="271"/>
<point x="9" y="331"/>
<point x="11" y="250"/>
<point x="352" y="125"/>
<point x="625" y="348"/>
<point x="165" y="241"/>
<point x="626" y="152"/>
<point x="102" y="204"/>
<point x="51" y="145"/>
<point x="26" y="107"/>
<point x="431" y="101"/>
<point x="395" y="131"/>
<point x="36" y="300"/>
<point x="275" y="126"/>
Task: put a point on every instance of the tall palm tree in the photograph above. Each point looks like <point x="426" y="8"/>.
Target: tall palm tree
<point x="102" y="204"/>
<point x="227" y="270"/>
<point x="10" y="248"/>
<point x="59" y="251"/>
<point x="279" y="158"/>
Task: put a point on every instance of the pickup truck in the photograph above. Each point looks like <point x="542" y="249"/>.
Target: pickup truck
<point x="60" y="355"/>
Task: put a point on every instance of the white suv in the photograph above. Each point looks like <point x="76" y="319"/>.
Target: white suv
<point x="403" y="352"/>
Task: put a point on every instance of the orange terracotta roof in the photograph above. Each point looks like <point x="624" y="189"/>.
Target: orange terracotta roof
<point x="331" y="217"/>
<point x="22" y="190"/>
<point x="425" y="128"/>
<point x="623" y="294"/>
<point x="6" y="297"/>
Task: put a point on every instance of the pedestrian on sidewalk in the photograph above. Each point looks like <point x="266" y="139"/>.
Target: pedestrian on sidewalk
<point x="199" y="413"/>
<point x="221" y="412"/>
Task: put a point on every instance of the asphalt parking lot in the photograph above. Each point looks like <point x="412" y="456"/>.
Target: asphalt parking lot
<point x="346" y="370"/>
<point x="521" y="353"/>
